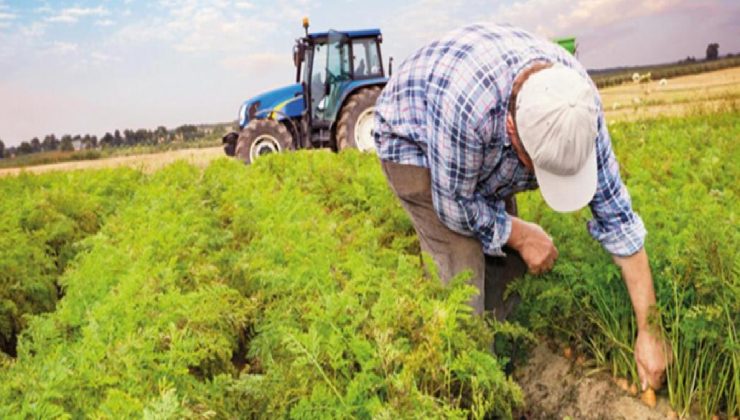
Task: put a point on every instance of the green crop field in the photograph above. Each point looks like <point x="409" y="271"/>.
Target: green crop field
<point x="293" y="288"/>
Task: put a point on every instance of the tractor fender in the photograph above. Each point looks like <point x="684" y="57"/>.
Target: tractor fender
<point x="354" y="87"/>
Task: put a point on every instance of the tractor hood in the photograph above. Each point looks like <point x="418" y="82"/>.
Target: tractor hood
<point x="285" y="102"/>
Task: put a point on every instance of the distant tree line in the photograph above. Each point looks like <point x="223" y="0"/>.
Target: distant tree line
<point x="127" y="138"/>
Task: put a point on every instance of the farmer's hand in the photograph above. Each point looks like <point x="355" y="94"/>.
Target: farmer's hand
<point x="652" y="352"/>
<point x="652" y="355"/>
<point x="533" y="244"/>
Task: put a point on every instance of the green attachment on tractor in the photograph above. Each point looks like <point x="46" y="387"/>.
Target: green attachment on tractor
<point x="568" y="43"/>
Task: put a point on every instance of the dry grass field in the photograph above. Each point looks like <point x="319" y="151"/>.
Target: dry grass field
<point x="706" y="91"/>
<point x="148" y="162"/>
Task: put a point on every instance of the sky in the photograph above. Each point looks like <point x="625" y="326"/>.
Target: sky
<point x="91" y="66"/>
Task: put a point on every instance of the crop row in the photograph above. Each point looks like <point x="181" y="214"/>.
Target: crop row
<point x="244" y="292"/>
<point x="293" y="288"/>
<point x="43" y="219"/>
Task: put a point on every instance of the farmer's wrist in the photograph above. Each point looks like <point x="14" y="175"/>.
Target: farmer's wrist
<point x="648" y="323"/>
<point x="517" y="233"/>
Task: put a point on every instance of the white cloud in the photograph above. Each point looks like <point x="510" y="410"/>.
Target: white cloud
<point x="7" y="16"/>
<point x="34" y="30"/>
<point x="244" y="5"/>
<point x="556" y="17"/>
<point x="63" y="48"/>
<point x="43" y="9"/>
<point x="198" y="26"/>
<point x="421" y="21"/>
<point x="256" y="63"/>
<point x="104" y="22"/>
<point x="73" y="14"/>
<point x="599" y="25"/>
<point x="102" y="57"/>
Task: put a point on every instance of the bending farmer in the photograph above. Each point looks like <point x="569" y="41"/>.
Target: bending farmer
<point x="488" y="111"/>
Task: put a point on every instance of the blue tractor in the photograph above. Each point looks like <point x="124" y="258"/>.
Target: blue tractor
<point x="339" y="75"/>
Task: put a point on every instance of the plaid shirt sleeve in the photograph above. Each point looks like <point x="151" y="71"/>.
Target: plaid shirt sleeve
<point x="615" y="225"/>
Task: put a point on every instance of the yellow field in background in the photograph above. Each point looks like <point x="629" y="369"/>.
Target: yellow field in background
<point x="147" y="162"/>
<point x="706" y="91"/>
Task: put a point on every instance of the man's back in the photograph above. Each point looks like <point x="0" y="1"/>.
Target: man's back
<point x="459" y="81"/>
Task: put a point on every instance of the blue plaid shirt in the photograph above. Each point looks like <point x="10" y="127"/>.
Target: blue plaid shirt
<point x="445" y="109"/>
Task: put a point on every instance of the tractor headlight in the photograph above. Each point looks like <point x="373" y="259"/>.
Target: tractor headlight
<point x="243" y="115"/>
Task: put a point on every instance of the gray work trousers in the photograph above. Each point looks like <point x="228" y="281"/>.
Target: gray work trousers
<point x="452" y="252"/>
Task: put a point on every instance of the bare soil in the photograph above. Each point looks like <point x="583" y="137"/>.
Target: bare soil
<point x="558" y="388"/>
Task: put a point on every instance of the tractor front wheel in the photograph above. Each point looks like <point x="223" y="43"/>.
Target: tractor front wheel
<point x="355" y="127"/>
<point x="261" y="137"/>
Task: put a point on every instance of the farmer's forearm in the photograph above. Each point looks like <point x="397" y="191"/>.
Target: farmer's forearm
<point x="639" y="281"/>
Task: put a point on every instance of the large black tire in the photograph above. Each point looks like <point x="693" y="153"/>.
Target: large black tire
<point x="261" y="137"/>
<point x="229" y="142"/>
<point x="356" y="121"/>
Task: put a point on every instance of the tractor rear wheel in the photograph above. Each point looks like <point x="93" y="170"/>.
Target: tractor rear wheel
<point x="261" y="137"/>
<point x="355" y="127"/>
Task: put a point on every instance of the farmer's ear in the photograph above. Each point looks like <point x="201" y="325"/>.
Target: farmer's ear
<point x="510" y="126"/>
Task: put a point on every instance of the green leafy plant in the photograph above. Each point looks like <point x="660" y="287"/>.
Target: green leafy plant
<point x="293" y="287"/>
<point x="682" y="175"/>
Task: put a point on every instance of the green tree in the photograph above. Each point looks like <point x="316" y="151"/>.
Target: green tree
<point x="107" y="140"/>
<point x="143" y="136"/>
<point x="66" y="145"/>
<point x="160" y="134"/>
<point x="187" y="132"/>
<point x="36" y="145"/>
<point x="25" y="148"/>
<point x="129" y="137"/>
<point x="712" y="51"/>
<point x="2" y="149"/>
<point x="89" y="142"/>
<point x="50" y="143"/>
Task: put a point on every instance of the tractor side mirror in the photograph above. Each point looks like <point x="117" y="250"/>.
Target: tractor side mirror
<point x="327" y="86"/>
<point x="298" y="51"/>
<point x="390" y="66"/>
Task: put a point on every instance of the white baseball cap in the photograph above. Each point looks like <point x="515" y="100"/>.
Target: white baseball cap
<point x="556" y="117"/>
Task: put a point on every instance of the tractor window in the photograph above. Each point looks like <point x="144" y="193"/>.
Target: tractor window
<point x="338" y="62"/>
<point x="365" y="58"/>
<point x="318" y="75"/>
<point x="338" y="73"/>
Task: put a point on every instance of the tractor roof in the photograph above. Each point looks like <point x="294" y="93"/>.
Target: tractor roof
<point x="361" y="33"/>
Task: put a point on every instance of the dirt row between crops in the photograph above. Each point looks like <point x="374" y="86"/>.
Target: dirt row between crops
<point x="557" y="388"/>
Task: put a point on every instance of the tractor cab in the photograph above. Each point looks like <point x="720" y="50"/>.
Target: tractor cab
<point x="339" y="75"/>
<point x="334" y="64"/>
